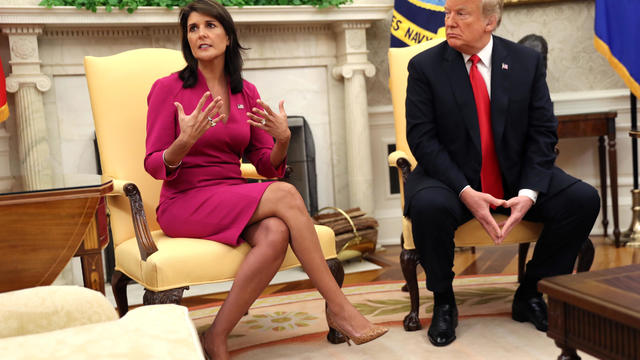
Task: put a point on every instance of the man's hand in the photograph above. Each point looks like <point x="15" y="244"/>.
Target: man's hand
<point x="519" y="206"/>
<point x="478" y="203"/>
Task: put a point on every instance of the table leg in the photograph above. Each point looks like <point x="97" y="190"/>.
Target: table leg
<point x="613" y="174"/>
<point x="603" y="182"/>
<point x="90" y="251"/>
<point x="92" y="272"/>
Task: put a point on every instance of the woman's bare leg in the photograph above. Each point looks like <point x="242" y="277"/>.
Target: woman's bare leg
<point x="282" y="200"/>
<point x="269" y="239"/>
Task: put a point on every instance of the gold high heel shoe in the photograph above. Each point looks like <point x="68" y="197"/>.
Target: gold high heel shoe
<point x="373" y="332"/>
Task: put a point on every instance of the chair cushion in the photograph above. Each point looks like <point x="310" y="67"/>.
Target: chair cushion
<point x="472" y="233"/>
<point x="185" y="261"/>
<point x="148" y="332"/>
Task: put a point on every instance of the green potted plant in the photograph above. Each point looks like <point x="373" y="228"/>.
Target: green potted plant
<point x="132" y="5"/>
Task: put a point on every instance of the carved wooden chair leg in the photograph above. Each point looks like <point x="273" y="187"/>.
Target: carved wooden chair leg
<point x="585" y="256"/>
<point x="408" y="263"/>
<point x="567" y="353"/>
<point x="523" y="249"/>
<point x="171" y="296"/>
<point x="404" y="287"/>
<point x="335" y="266"/>
<point x="119" y="283"/>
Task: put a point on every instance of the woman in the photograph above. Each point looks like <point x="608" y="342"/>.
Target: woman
<point x="200" y="122"/>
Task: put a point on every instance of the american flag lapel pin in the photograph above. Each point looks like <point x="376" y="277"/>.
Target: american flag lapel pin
<point x="240" y="106"/>
<point x="505" y="66"/>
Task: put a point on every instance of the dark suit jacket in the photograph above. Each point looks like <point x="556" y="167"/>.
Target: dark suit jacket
<point x="442" y="122"/>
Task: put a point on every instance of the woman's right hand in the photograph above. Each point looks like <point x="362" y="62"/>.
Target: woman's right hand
<point x="194" y="125"/>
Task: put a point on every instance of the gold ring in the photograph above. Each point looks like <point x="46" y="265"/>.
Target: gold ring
<point x="263" y="122"/>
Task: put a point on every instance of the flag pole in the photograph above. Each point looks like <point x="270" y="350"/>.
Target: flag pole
<point x="632" y="236"/>
<point x="634" y="139"/>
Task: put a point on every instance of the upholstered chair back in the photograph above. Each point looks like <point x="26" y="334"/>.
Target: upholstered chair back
<point x="120" y="117"/>
<point x="398" y="61"/>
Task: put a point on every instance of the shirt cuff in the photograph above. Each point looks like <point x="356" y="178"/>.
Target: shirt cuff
<point x="463" y="189"/>
<point x="531" y="194"/>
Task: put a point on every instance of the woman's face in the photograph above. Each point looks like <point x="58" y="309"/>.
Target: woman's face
<point x="206" y="36"/>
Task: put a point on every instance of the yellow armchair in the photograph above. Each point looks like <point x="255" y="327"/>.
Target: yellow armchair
<point x="165" y="266"/>
<point x="471" y="233"/>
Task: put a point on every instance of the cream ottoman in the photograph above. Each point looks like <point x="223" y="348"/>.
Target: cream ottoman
<point x="70" y="322"/>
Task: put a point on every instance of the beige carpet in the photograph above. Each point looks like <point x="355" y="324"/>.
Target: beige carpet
<point x="293" y="325"/>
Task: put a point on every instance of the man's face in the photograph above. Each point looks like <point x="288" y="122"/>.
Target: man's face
<point x="468" y="31"/>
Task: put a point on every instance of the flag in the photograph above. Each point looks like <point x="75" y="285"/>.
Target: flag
<point x="416" y="21"/>
<point x="617" y="37"/>
<point x="4" y="108"/>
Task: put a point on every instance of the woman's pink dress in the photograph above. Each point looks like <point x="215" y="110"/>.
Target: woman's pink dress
<point x="206" y="197"/>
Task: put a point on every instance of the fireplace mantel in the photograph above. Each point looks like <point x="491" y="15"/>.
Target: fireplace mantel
<point x="360" y="10"/>
<point x="315" y="59"/>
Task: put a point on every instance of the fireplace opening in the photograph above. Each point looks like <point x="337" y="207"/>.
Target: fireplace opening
<point x="301" y="162"/>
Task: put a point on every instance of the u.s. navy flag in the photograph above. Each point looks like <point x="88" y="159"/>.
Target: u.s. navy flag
<point x="617" y="37"/>
<point x="4" y="108"/>
<point x="415" y="21"/>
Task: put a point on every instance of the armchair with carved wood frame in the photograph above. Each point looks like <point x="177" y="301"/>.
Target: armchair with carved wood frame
<point x="471" y="233"/>
<point x="164" y="266"/>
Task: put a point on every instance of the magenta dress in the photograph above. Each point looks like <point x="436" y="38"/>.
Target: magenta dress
<point x="207" y="197"/>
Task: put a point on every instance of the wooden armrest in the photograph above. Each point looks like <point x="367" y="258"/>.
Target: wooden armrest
<point x="400" y="160"/>
<point x="146" y="245"/>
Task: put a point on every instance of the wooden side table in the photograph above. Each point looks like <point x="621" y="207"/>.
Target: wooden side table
<point x="41" y="230"/>
<point x="597" y="312"/>
<point x="598" y="124"/>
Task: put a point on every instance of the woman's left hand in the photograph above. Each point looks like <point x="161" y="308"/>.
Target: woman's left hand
<point x="275" y="124"/>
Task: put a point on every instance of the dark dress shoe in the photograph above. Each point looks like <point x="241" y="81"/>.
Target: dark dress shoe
<point x="442" y="331"/>
<point x="533" y="310"/>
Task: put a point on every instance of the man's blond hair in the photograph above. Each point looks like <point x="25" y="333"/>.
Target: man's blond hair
<point x="493" y="7"/>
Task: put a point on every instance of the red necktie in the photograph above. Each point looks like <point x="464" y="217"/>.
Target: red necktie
<point x="490" y="171"/>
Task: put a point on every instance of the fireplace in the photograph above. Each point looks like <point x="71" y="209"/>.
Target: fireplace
<point x="314" y="58"/>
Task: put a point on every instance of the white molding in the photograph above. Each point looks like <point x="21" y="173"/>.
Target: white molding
<point x="102" y="32"/>
<point x="360" y="10"/>
<point x="135" y="30"/>
<point x="589" y="95"/>
<point x="580" y="102"/>
<point x="285" y="28"/>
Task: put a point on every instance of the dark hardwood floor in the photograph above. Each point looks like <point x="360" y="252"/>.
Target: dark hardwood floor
<point x="486" y="260"/>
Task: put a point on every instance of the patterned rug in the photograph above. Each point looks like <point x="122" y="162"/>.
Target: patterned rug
<point x="292" y="325"/>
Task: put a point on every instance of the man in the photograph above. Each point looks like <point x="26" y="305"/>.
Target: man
<point x="480" y="123"/>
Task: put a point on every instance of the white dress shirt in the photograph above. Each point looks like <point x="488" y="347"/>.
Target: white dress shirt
<point x="484" y="68"/>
